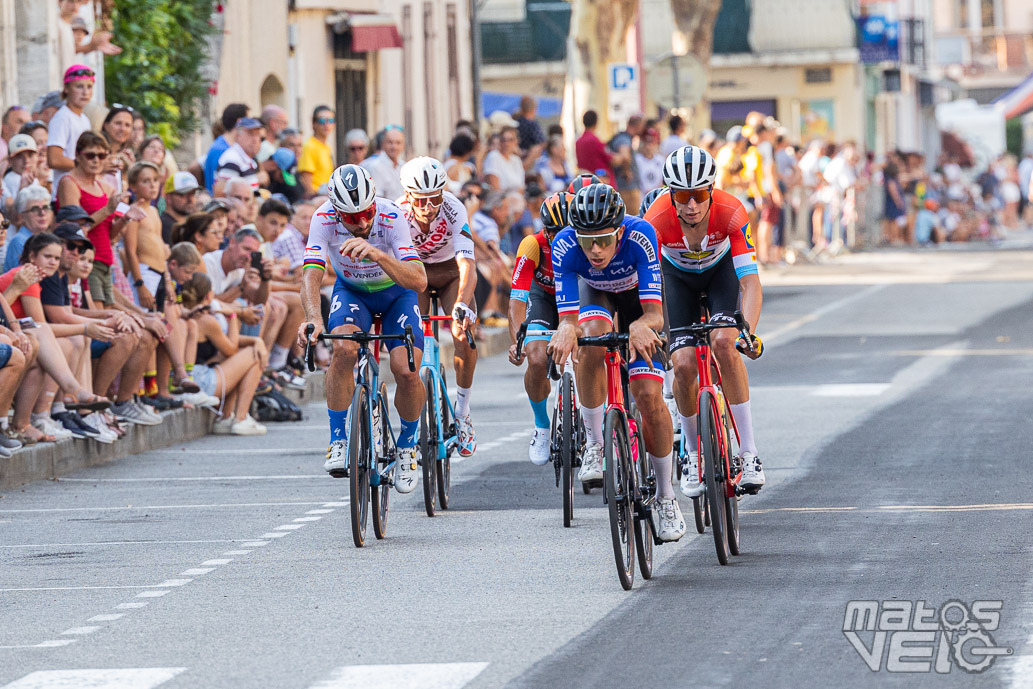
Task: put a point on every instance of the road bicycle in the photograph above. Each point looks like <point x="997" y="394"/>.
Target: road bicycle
<point x="720" y="470"/>
<point x="372" y="448"/>
<point x="438" y="435"/>
<point x="628" y="476"/>
<point x="567" y="437"/>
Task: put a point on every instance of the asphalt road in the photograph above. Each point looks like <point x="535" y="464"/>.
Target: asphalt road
<point x="892" y="409"/>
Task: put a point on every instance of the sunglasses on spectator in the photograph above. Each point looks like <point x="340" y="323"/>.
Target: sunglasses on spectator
<point x="357" y="218"/>
<point x="394" y="128"/>
<point x="79" y="73"/>
<point x="38" y="210"/>
<point x="685" y="195"/>
<point x="325" y="120"/>
<point x="4" y="224"/>
<point x="119" y="106"/>
<point x="586" y="241"/>
<point x="357" y="148"/>
<point x="434" y="201"/>
<point x="93" y="155"/>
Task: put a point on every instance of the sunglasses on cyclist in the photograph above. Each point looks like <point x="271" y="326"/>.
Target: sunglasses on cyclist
<point x="603" y="240"/>
<point x="685" y="195"/>
<point x="357" y="218"/>
<point x="434" y="201"/>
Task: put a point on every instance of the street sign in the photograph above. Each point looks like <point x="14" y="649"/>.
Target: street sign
<point x="676" y="81"/>
<point x="623" y="83"/>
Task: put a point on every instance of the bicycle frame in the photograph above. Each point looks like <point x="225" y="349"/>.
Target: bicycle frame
<point x="704" y="361"/>
<point x="432" y="361"/>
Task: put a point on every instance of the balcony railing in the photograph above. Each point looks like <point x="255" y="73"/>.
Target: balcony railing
<point x="988" y="51"/>
<point x="541" y="37"/>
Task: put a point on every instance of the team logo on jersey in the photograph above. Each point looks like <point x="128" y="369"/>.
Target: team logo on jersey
<point x="747" y="234"/>
<point x="696" y="255"/>
<point x="643" y="241"/>
<point x="388" y="217"/>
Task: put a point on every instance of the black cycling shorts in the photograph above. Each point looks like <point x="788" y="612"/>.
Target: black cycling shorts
<point x="541" y="312"/>
<point x="721" y="285"/>
<point x="626" y="308"/>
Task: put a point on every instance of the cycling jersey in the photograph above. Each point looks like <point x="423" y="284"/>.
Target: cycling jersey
<point x="635" y="265"/>
<point x="447" y="237"/>
<point x="728" y="229"/>
<point x="388" y="233"/>
<point x="533" y="264"/>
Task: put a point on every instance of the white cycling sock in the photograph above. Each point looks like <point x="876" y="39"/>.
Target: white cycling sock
<point x="744" y="423"/>
<point x="669" y="383"/>
<point x="462" y="401"/>
<point x="663" y="468"/>
<point x="593" y="418"/>
<point x="689" y="430"/>
<point x="278" y="357"/>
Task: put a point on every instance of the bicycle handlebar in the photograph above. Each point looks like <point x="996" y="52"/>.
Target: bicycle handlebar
<point x="362" y="338"/>
<point x="703" y="329"/>
<point x="554" y="372"/>
<point x="469" y="333"/>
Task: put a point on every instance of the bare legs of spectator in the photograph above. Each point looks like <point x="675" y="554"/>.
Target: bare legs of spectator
<point x="114" y="359"/>
<point x="190" y="349"/>
<point x="288" y="335"/>
<point x="135" y="366"/>
<point x="238" y="379"/>
<point x="170" y="356"/>
<point x="272" y="321"/>
<point x="10" y="376"/>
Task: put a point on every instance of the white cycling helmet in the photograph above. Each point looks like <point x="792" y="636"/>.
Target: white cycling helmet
<point x="423" y="175"/>
<point x="690" y="167"/>
<point x="351" y="189"/>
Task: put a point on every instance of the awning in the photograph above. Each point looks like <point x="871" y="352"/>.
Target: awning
<point x="510" y="102"/>
<point x="369" y="31"/>
<point x="1017" y="101"/>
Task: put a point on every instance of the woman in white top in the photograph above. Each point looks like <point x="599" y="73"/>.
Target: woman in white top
<point x="503" y="168"/>
<point x="459" y="167"/>
<point x="553" y="166"/>
<point x="69" y="122"/>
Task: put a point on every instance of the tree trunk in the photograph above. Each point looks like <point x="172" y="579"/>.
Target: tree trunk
<point x="598" y="36"/>
<point x="694" y="23"/>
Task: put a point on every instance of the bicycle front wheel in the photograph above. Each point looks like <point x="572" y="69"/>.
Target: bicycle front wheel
<point x="360" y="451"/>
<point x="713" y="474"/>
<point x="731" y="502"/>
<point x="643" y="526"/>
<point x="619" y="483"/>
<point x="381" y="494"/>
<point x="444" y="466"/>
<point x="429" y="444"/>
<point x="568" y="445"/>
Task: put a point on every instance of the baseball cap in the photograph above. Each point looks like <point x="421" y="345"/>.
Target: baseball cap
<point x="71" y="213"/>
<point x="249" y="123"/>
<point x="80" y="24"/>
<point x="52" y="99"/>
<point x="216" y="205"/>
<point x="20" y="143"/>
<point x="71" y="233"/>
<point x="285" y="160"/>
<point x="181" y="183"/>
<point x="500" y="119"/>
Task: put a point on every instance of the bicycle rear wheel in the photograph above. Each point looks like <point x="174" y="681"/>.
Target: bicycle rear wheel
<point x="731" y="503"/>
<point x="713" y="474"/>
<point x="619" y="482"/>
<point x="643" y="526"/>
<point x="381" y="494"/>
<point x="360" y="451"/>
<point x="429" y="444"/>
<point x="444" y="466"/>
<point x="568" y="445"/>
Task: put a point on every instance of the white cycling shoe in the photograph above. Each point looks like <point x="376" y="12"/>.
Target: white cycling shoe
<point x="467" y="437"/>
<point x="407" y="470"/>
<point x="667" y="519"/>
<point x="592" y="463"/>
<point x="691" y="486"/>
<point x="538" y="449"/>
<point x="336" y="463"/>
<point x="752" y="473"/>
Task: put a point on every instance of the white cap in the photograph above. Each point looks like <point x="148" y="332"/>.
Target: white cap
<point x="20" y="143"/>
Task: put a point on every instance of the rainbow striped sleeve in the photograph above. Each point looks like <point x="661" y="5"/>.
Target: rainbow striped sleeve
<point x="315" y="257"/>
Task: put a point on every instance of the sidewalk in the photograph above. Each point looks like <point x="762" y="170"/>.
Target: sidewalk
<point x="52" y="460"/>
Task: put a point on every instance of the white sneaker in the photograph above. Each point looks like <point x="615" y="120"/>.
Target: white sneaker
<point x="198" y="399"/>
<point x="336" y="463"/>
<point x="752" y="473"/>
<point x="667" y="519"/>
<point x="407" y="470"/>
<point x="223" y="426"/>
<point x="591" y="463"/>
<point x="47" y="425"/>
<point x="467" y="437"/>
<point x="247" y="426"/>
<point x="538" y="450"/>
<point x="96" y="420"/>
<point x="691" y="486"/>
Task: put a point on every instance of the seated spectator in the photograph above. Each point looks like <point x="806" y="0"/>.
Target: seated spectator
<point x="284" y="304"/>
<point x="489" y="222"/>
<point x="225" y="134"/>
<point x="229" y="365"/>
<point x="247" y="203"/>
<point x="152" y="149"/>
<point x="291" y="139"/>
<point x="553" y="166"/>
<point x="220" y="211"/>
<point x="459" y="168"/>
<point x="386" y="166"/>
<point x="38" y="131"/>
<point x="13" y="120"/>
<point x="21" y="170"/>
<point x="12" y="371"/>
<point x="290" y="245"/>
<point x="357" y="143"/>
<point x="503" y="168"/>
<point x="33" y="215"/>
<point x="146" y="252"/>
<point x="45" y="107"/>
<point x="282" y="167"/>
<point x="200" y="231"/>
<point x="238" y="162"/>
<point x="117" y="130"/>
<point x="233" y="277"/>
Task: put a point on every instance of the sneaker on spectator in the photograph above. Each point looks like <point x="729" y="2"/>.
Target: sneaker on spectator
<point x="286" y="377"/>
<point x="73" y="423"/>
<point x="9" y="443"/>
<point x="48" y="426"/>
<point x="247" y="426"/>
<point x="104" y="434"/>
<point x="133" y="413"/>
<point x="160" y="403"/>
<point x="222" y="426"/>
<point x="198" y="399"/>
<point x="150" y="413"/>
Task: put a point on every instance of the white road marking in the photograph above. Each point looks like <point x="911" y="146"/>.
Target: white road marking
<point x="152" y="594"/>
<point x="197" y="451"/>
<point x="319" y="511"/>
<point x="254" y="544"/>
<point x="159" y="507"/>
<point x="414" y="676"/>
<point x="131" y="606"/>
<point x="168" y="479"/>
<point x="335" y="504"/>
<point x="71" y="588"/>
<point x="79" y="631"/>
<point x="216" y="563"/>
<point x="174" y="582"/>
<point x="788" y="328"/>
<point x="275" y="534"/>
<point x="116" y="678"/>
<point x="53" y="644"/>
<point x="95" y="543"/>
<point x="236" y="552"/>
<point x="850" y="390"/>
<point x="196" y="571"/>
<point x="307" y="519"/>
<point x="107" y="618"/>
<point x="289" y="527"/>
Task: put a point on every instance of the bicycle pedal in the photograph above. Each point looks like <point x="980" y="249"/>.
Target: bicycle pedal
<point x="338" y="473"/>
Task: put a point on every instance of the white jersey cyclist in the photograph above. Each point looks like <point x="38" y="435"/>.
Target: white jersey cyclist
<point x="447" y="237"/>
<point x="390" y="233"/>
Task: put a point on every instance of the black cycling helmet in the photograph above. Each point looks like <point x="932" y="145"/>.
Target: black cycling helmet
<point x="596" y="207"/>
<point x="582" y="180"/>
<point x="553" y="212"/>
<point x="648" y="199"/>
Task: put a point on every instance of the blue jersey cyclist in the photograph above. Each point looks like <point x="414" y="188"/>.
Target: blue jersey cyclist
<point x="607" y="264"/>
<point x="366" y="241"/>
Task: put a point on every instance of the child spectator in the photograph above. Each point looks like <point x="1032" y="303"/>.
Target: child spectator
<point x="146" y="252"/>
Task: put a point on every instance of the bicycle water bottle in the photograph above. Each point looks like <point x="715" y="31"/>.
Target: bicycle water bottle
<point x="633" y="429"/>
<point x="378" y="440"/>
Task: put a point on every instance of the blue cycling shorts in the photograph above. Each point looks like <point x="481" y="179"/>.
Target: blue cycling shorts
<point x="396" y="306"/>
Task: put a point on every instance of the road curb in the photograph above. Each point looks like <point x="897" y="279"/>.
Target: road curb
<point x="48" y="461"/>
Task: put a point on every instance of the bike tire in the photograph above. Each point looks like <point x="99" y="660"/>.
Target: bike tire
<point x="444" y="466"/>
<point x="643" y="525"/>
<point x="380" y="496"/>
<point x="568" y="445"/>
<point x="429" y="445"/>
<point x="731" y="503"/>
<point x="359" y="461"/>
<point x="714" y="474"/>
<point x="619" y="484"/>
<point x="698" y="508"/>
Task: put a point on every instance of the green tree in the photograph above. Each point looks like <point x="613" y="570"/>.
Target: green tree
<point x="165" y="43"/>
